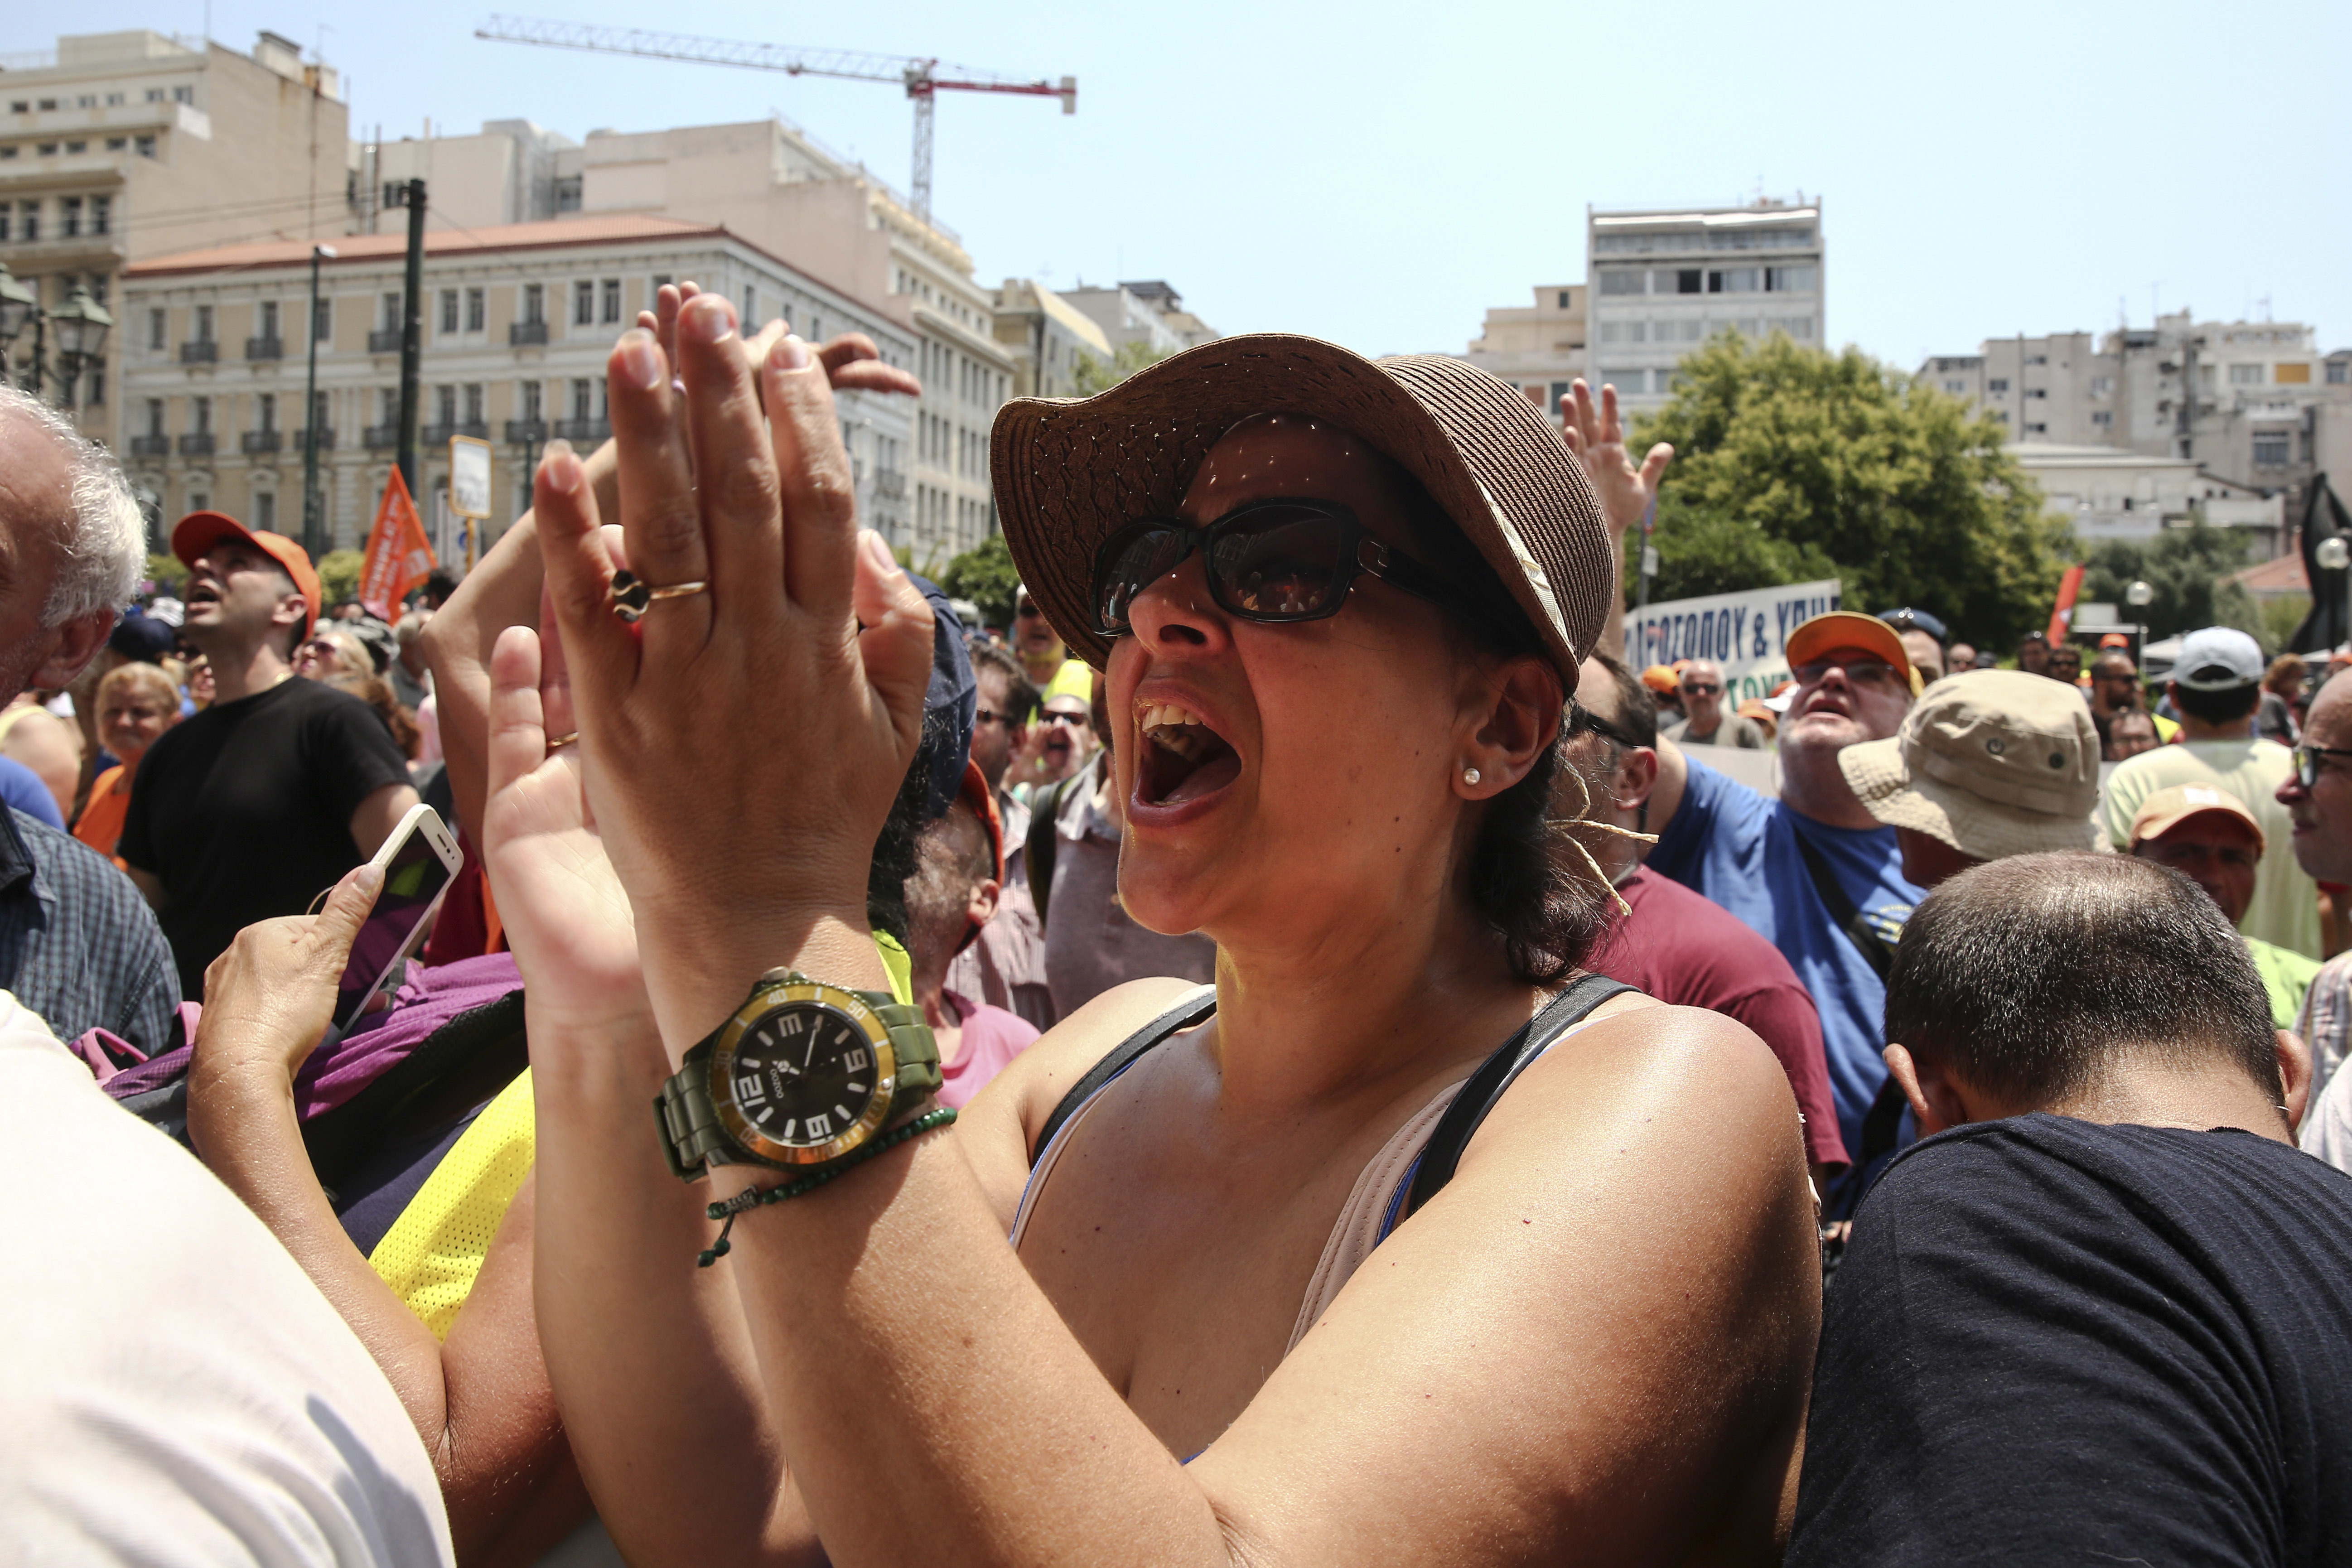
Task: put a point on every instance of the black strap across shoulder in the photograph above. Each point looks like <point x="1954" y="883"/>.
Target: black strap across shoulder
<point x="1868" y="942"/>
<point x="1189" y="1012"/>
<point x="1497" y="1074"/>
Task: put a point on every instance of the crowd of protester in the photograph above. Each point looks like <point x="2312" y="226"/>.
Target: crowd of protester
<point x="1439" y="1112"/>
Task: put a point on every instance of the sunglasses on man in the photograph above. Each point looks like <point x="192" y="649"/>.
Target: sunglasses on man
<point x="2306" y="763"/>
<point x="1271" y="560"/>
<point x="1860" y="671"/>
<point x="1700" y="689"/>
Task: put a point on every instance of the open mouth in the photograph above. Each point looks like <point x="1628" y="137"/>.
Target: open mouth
<point x="1182" y="758"/>
<point x="201" y="593"/>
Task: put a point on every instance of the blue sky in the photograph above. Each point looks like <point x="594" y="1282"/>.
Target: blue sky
<point x="1382" y="174"/>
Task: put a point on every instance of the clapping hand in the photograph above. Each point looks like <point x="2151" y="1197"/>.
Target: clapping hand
<point x="742" y="745"/>
<point x="1597" y="436"/>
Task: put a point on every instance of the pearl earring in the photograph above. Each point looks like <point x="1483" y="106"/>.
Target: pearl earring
<point x="1470" y="775"/>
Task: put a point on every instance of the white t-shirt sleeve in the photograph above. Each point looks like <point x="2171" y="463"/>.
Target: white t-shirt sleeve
<point x="177" y="1390"/>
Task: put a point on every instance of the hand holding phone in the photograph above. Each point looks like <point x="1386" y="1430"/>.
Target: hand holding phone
<point x="418" y="861"/>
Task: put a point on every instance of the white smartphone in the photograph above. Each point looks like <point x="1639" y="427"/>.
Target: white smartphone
<point x="418" y="861"/>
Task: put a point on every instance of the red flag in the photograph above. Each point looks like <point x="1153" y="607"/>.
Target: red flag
<point x="399" y="556"/>
<point x="2060" y="618"/>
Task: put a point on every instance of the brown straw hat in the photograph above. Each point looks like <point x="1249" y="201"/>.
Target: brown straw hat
<point x="1069" y="474"/>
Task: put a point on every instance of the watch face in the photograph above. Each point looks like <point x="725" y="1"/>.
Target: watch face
<point x="806" y="1079"/>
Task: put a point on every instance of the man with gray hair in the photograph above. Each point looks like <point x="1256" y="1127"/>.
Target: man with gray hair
<point x="78" y="944"/>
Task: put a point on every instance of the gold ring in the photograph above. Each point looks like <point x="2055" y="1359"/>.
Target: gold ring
<point x="631" y="595"/>
<point x="569" y="738"/>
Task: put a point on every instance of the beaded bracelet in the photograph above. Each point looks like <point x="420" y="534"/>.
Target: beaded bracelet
<point x="751" y="1198"/>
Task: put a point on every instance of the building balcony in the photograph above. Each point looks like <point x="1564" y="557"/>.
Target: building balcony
<point x="381" y="438"/>
<point x="265" y="348"/>
<point x="326" y="439"/>
<point x="257" y="442"/>
<point x="588" y="432"/>
<point x="889" y="482"/>
<point x="526" y="432"/>
<point x="438" y="435"/>
<point x="150" y="446"/>
<point x="204" y="352"/>
<point x="385" y="342"/>
<point x="527" y="334"/>
<point x="197" y="444"/>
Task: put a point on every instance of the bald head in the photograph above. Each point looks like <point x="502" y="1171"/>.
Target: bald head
<point x="2323" y="812"/>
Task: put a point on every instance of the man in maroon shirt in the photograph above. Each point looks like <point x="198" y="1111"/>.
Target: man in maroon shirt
<point x="1675" y="945"/>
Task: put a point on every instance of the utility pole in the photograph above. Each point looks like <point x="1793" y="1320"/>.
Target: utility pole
<point x="412" y="334"/>
<point x="310" y="519"/>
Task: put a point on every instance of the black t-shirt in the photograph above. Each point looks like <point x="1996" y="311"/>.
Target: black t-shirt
<point x="245" y="811"/>
<point x="2052" y="1341"/>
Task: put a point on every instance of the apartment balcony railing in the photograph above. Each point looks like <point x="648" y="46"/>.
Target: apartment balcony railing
<point x="438" y="435"/>
<point x="588" y="431"/>
<point x="526" y="432"/>
<point x="255" y="442"/>
<point x="265" y="348"/>
<point x="202" y="351"/>
<point x="150" y="446"/>
<point x="386" y="342"/>
<point x="889" y="482"/>
<point x="326" y="439"/>
<point x="381" y="438"/>
<point x="527" y="334"/>
<point x="198" y="443"/>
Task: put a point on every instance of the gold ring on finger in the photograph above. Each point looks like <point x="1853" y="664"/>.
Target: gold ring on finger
<point x="569" y="738"/>
<point x="631" y="595"/>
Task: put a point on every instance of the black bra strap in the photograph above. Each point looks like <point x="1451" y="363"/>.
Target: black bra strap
<point x="1191" y="1011"/>
<point x="1497" y="1074"/>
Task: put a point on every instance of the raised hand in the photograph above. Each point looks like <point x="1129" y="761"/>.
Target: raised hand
<point x="743" y="744"/>
<point x="566" y="915"/>
<point x="1596" y="436"/>
<point x="851" y="363"/>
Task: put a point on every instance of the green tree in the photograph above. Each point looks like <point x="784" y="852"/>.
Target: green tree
<point x="1792" y="463"/>
<point x="984" y="574"/>
<point x="168" y="573"/>
<point x="2190" y="570"/>
<point x="1090" y="375"/>
<point x="339" y="575"/>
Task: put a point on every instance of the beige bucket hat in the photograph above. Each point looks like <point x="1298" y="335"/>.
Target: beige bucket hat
<point x="1992" y="762"/>
<point x="1069" y="474"/>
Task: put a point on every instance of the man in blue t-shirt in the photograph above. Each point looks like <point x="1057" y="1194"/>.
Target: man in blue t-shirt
<point x="1769" y="861"/>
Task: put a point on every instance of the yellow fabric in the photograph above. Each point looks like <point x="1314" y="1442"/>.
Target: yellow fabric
<point x="434" y="1251"/>
<point x="434" y="1248"/>
<point x="1072" y="680"/>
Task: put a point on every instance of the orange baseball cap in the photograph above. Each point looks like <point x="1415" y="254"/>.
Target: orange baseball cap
<point x="200" y="531"/>
<point x="2115" y="639"/>
<point x="1660" y="678"/>
<point x="1846" y="628"/>
<point x="2167" y="809"/>
<point x="975" y="793"/>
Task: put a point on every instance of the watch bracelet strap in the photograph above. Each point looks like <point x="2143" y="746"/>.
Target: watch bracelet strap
<point x="693" y="1138"/>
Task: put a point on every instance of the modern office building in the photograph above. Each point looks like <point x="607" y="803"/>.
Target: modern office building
<point x="1664" y="280"/>
<point x="518" y="321"/>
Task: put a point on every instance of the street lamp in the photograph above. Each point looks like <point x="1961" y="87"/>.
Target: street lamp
<point x="2139" y="595"/>
<point x="82" y="324"/>
<point x="2333" y="555"/>
<point x="310" y="520"/>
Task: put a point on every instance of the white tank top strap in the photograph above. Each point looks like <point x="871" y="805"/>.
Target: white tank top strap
<point x="1046" y="1159"/>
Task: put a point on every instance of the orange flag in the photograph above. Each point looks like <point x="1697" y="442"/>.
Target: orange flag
<point x="399" y="556"/>
<point x="2069" y="584"/>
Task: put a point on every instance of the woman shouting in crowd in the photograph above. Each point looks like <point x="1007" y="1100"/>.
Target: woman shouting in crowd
<point x="1332" y="1263"/>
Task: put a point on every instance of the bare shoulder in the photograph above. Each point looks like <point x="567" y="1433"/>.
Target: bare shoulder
<point x="998" y="1129"/>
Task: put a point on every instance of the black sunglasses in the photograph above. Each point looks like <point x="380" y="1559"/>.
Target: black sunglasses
<point x="1584" y="721"/>
<point x="1273" y="561"/>
<point x="2306" y="763"/>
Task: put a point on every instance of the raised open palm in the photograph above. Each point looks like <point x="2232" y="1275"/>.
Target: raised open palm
<point x="566" y="914"/>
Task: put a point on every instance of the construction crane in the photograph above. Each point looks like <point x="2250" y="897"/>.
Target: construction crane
<point x="918" y="76"/>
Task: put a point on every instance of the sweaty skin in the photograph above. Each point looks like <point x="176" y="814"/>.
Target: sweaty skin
<point x="1142" y="1322"/>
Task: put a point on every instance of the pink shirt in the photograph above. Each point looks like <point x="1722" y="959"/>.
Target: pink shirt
<point x="991" y="1038"/>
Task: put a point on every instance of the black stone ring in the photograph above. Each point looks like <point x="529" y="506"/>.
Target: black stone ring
<point x="631" y="595"/>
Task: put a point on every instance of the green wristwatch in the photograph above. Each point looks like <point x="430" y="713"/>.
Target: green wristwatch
<point x="801" y="1077"/>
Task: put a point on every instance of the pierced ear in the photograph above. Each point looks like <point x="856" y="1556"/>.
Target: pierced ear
<point x="1522" y="704"/>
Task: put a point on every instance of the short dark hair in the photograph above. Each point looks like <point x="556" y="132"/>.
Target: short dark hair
<point x="2033" y="978"/>
<point x="1637" y="713"/>
<point x="1020" y="693"/>
<point x="2224" y="707"/>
